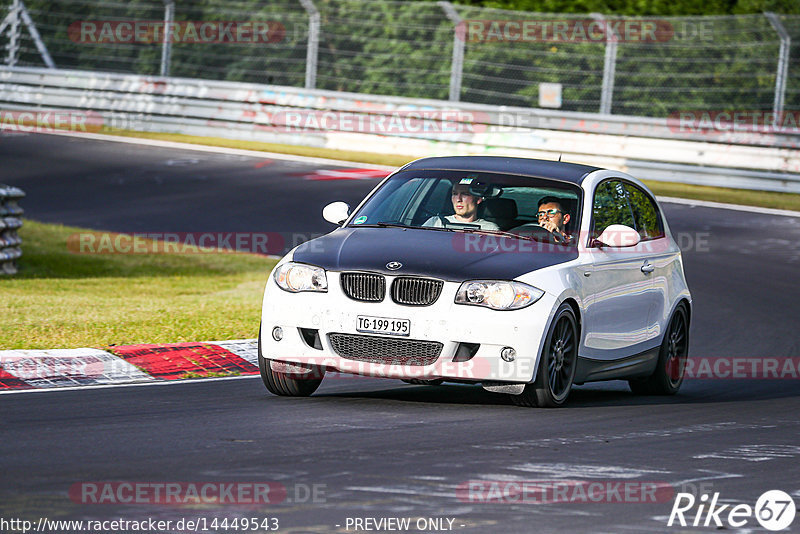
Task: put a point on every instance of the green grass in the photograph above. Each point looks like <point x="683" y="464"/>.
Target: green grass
<point x="766" y="199"/>
<point x="61" y="299"/>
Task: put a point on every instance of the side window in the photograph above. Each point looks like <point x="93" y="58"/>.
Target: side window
<point x="611" y="207"/>
<point x="645" y="212"/>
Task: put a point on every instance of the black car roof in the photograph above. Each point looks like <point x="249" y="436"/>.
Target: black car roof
<point x="559" y="170"/>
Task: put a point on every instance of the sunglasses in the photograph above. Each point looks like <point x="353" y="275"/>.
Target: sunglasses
<point x="548" y="213"/>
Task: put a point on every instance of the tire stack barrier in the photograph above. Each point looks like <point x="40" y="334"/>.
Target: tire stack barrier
<point x="10" y="222"/>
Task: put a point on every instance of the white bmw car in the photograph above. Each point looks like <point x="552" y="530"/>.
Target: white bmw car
<point x="524" y="276"/>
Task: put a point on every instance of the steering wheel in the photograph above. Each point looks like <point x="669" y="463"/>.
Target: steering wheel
<point x="540" y="234"/>
<point x="428" y="213"/>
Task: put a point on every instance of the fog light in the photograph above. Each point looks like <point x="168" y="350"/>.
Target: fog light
<point x="508" y="354"/>
<point x="277" y="333"/>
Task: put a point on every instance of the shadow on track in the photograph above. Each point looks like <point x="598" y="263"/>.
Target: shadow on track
<point x="595" y="395"/>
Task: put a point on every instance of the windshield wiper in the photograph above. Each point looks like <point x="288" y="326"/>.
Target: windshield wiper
<point x="384" y="224"/>
<point x="494" y="232"/>
<point x="388" y="224"/>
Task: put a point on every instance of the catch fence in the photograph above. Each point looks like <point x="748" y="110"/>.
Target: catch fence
<point x="650" y="67"/>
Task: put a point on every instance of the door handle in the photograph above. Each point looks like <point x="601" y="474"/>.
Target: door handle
<point x="647" y="268"/>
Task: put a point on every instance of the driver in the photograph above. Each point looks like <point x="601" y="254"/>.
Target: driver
<point x="465" y="205"/>
<point x="553" y="217"/>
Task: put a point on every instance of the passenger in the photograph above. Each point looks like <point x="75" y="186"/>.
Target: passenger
<point x="553" y="218"/>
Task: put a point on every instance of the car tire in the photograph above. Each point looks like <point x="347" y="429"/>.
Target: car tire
<point x="284" y="385"/>
<point x="672" y="356"/>
<point x="556" y="365"/>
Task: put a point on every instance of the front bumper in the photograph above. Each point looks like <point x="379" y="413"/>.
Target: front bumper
<point x="442" y="322"/>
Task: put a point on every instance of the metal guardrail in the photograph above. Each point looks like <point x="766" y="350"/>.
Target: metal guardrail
<point x="581" y="62"/>
<point x="250" y="102"/>
<point x="10" y="222"/>
<point x="750" y="160"/>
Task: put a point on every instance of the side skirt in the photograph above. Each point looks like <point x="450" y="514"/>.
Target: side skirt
<point x="637" y="366"/>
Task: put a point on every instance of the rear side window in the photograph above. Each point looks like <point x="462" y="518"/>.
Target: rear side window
<point x="611" y="207"/>
<point x="645" y="213"/>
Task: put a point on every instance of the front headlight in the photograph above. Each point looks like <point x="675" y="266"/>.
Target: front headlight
<point x="497" y="294"/>
<point x="296" y="277"/>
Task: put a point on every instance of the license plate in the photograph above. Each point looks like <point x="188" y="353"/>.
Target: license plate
<point x="383" y="325"/>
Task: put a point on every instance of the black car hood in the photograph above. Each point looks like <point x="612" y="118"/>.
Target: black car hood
<point x="452" y="256"/>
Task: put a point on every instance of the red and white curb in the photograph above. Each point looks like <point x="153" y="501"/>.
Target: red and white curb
<point x="126" y="364"/>
<point x="345" y="174"/>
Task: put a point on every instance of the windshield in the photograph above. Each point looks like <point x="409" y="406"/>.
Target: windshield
<point x="473" y="201"/>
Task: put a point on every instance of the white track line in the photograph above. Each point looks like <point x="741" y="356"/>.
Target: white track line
<point x="723" y="206"/>
<point x="221" y="150"/>
<point x="353" y="164"/>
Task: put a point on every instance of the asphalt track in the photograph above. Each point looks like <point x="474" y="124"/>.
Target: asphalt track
<point x="377" y="448"/>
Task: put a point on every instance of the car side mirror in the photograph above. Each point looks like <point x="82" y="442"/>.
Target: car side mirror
<point x="336" y="212"/>
<point x="618" y="235"/>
